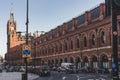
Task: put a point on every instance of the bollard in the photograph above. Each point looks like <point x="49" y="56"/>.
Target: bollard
<point x="24" y="77"/>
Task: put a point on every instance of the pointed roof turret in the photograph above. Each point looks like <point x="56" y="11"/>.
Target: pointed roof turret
<point x="11" y="15"/>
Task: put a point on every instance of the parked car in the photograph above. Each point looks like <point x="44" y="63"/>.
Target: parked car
<point x="84" y="69"/>
<point x="71" y="69"/>
<point x="44" y="71"/>
<point x="22" y="69"/>
<point x="54" y="68"/>
<point x="34" y="70"/>
<point x="10" y="69"/>
<point x="102" y="70"/>
<point x="61" y="69"/>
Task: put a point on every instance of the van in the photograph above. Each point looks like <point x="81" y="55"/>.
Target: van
<point x="70" y="67"/>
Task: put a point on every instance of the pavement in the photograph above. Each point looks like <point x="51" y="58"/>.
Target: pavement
<point x="16" y="76"/>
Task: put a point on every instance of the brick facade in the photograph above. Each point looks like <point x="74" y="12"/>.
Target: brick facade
<point x="84" y="41"/>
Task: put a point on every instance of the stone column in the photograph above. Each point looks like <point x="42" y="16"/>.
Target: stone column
<point x="81" y="62"/>
<point x="110" y="64"/>
<point x="90" y="63"/>
<point x="99" y="62"/>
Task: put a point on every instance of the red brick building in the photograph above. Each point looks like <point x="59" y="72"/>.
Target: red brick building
<point x="84" y="40"/>
<point x="15" y="41"/>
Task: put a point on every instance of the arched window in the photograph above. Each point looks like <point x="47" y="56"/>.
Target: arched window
<point x="65" y="46"/>
<point x="93" y="39"/>
<point x="78" y="43"/>
<point x="71" y="42"/>
<point x="85" y="42"/>
<point x="56" y="48"/>
<point x="39" y="52"/>
<point x="103" y="37"/>
<point x="60" y="47"/>
<point x="118" y="40"/>
<point x="48" y="50"/>
<point x="42" y="51"/>
<point x="52" y="49"/>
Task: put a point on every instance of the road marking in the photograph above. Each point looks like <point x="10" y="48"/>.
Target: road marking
<point x="102" y="79"/>
<point x="97" y="79"/>
<point x="103" y="75"/>
<point x="78" y="77"/>
<point x="64" y="78"/>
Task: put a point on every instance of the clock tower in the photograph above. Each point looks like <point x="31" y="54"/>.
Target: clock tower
<point x="12" y="39"/>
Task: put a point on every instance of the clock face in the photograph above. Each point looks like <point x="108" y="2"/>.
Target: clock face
<point x="12" y="28"/>
<point x="117" y="2"/>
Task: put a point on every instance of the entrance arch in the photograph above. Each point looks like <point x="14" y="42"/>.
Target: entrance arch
<point x="85" y="61"/>
<point x="71" y="60"/>
<point x="60" y="62"/>
<point x="48" y="62"/>
<point x="78" y="62"/>
<point x="94" y="61"/>
<point x="52" y="63"/>
<point x="56" y="62"/>
<point x="43" y="62"/>
<point x="65" y="60"/>
<point x="104" y="61"/>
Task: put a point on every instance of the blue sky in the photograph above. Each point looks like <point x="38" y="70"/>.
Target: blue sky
<point x="44" y="15"/>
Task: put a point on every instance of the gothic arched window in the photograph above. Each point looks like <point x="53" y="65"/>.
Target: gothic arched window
<point x="78" y="43"/>
<point x="103" y="37"/>
<point x="93" y="39"/>
<point x="65" y="46"/>
<point x="60" y="47"/>
<point x="85" y="42"/>
<point x="71" y="42"/>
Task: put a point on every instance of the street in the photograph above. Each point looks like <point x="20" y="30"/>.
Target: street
<point x="55" y="76"/>
<point x="15" y="76"/>
<point x="79" y="76"/>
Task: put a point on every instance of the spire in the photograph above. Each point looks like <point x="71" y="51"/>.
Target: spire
<point x="11" y="14"/>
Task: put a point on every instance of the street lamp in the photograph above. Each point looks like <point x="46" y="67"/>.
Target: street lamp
<point x="115" y="11"/>
<point x="25" y="75"/>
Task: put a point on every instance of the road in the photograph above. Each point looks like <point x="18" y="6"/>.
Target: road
<point x="15" y="76"/>
<point x="55" y="76"/>
<point x="80" y="76"/>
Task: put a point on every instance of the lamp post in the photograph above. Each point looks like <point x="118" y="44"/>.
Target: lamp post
<point x="25" y="77"/>
<point x="115" y="11"/>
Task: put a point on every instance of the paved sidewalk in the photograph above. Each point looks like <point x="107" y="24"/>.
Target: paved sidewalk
<point x="16" y="76"/>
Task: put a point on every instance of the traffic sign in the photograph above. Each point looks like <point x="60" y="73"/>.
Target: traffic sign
<point x="113" y="65"/>
<point x="26" y="51"/>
